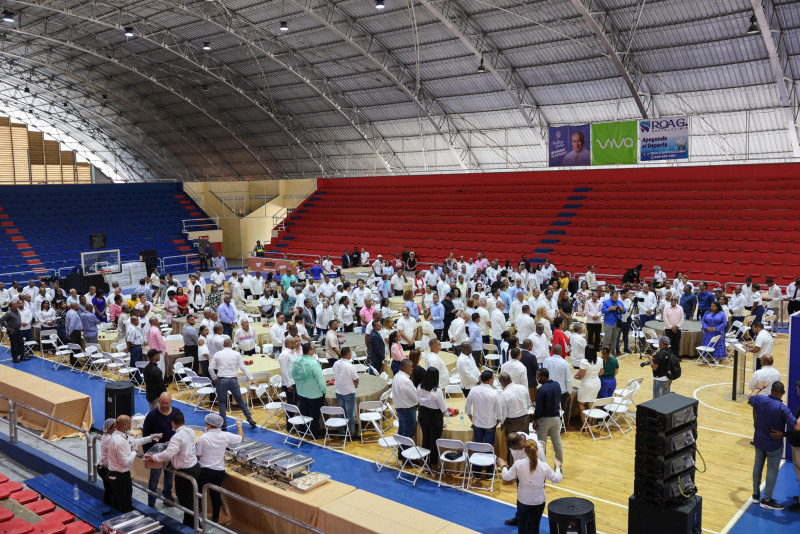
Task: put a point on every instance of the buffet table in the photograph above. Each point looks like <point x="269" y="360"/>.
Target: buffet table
<point x="48" y="397"/>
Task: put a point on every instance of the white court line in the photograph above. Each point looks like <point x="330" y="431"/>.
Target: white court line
<point x="744" y="507"/>
<point x="708" y="405"/>
<point x="725" y="432"/>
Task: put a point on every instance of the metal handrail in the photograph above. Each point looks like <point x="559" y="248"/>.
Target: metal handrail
<point x="192" y="225"/>
<point x="207" y="523"/>
<point x="298" y="199"/>
<point x="38" y="274"/>
<point x="14" y="429"/>
<point x="195" y="511"/>
<point x="184" y="257"/>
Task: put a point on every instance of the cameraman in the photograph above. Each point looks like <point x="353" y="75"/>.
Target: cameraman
<point x="658" y="363"/>
<point x="613" y="309"/>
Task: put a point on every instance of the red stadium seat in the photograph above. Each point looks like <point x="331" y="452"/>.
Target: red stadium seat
<point x="40" y="507"/>
<point x="49" y="527"/>
<point x="59" y="516"/>
<point x="15" y="526"/>
<point x="25" y="496"/>
<point x="5" y="514"/>
<point x="78" y="527"/>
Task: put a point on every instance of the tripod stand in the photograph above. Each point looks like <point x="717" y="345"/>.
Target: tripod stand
<point x="636" y="328"/>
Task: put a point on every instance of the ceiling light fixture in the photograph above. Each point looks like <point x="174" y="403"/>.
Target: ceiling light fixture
<point x="206" y="45"/>
<point x="753" y="29"/>
<point x="379" y="4"/>
<point x="128" y="31"/>
<point x="27" y="90"/>
<point x="481" y="68"/>
<point x="8" y="16"/>
<point x="284" y="26"/>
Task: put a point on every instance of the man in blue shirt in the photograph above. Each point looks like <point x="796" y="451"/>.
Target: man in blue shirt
<point x="612" y="311"/>
<point x="704" y="299"/>
<point x="227" y="315"/>
<point x="221" y="262"/>
<point x="316" y="271"/>
<point x="475" y="338"/>
<point x="437" y="316"/>
<point x="688" y="302"/>
<point x="770" y="414"/>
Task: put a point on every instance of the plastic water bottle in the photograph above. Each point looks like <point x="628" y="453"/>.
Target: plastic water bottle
<point x="75" y="494"/>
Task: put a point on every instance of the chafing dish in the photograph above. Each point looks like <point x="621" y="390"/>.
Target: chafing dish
<point x="131" y="523"/>
<point x="288" y="467"/>
<point x="249" y="454"/>
<point x="266" y="460"/>
<point x="246" y="442"/>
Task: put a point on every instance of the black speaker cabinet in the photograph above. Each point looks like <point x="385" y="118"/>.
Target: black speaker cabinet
<point x="97" y="241"/>
<point x="119" y="399"/>
<point x="666" y="413"/>
<point x="645" y="517"/>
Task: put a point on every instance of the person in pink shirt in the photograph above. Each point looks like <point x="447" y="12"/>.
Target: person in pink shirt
<point x="170" y="307"/>
<point x="482" y="262"/>
<point x="367" y="311"/>
<point x="593" y="309"/>
<point x="673" y="320"/>
<point x="156" y="342"/>
<point x="115" y="310"/>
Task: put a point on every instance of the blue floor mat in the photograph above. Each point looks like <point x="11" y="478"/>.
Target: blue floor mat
<point x="449" y="504"/>
<point x="757" y="519"/>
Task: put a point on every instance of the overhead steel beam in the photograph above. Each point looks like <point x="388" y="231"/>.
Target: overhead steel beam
<point x="156" y="76"/>
<point x="768" y="23"/>
<point x="598" y="20"/>
<point x="370" y="47"/>
<point x="111" y="17"/>
<point x="479" y="43"/>
<point x="56" y="90"/>
<point x="83" y="79"/>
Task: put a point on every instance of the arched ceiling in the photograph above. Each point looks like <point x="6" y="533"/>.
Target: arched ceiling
<point x="352" y="90"/>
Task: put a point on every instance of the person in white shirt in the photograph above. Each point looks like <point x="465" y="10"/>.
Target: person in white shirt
<point x="485" y="323"/>
<point x="333" y="350"/>
<point x="407" y="328"/>
<point x="761" y="345"/>
<point x="525" y="324"/>
<point x="181" y="450"/>
<point x="364" y="256"/>
<point x="399" y="281"/>
<point x="121" y="453"/>
<point x="5" y="298"/>
<point x="647" y="307"/>
<point x="432" y="359"/>
<point x="345" y="384"/>
<point x="484" y="409"/>
<point x="591" y="278"/>
<point x="517" y="372"/>
<point x="766" y="374"/>
<point x="530" y="473"/>
<point x="560" y="372"/>
<point x="432" y="406"/>
<point x="286" y="361"/>
<point x="277" y="332"/>
<point x="577" y="345"/>
<point x="360" y="295"/>
<point x="327" y="265"/>
<point x="467" y="369"/>
<point x="345" y="314"/>
<point x="516" y="401"/>
<point x="209" y="320"/>
<point x="210" y="451"/>
<point x="541" y="344"/>
<point x="458" y="329"/>
<point x="257" y="285"/>
<point x="325" y="314"/>
<point x="792" y="295"/>
<point x="775" y="297"/>
<point x="377" y="267"/>
<point x="516" y="307"/>
<point x="747" y="292"/>
<point x="405" y="398"/>
<point x="217" y="277"/>
<point x="737" y="305"/>
<point x="246" y="280"/>
<point x="224" y="371"/>
<point x="498" y="324"/>
<point x="245" y="338"/>
<point x="326" y="288"/>
<point x="659" y="276"/>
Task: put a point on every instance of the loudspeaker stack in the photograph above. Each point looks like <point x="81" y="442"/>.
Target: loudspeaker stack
<point x="664" y="499"/>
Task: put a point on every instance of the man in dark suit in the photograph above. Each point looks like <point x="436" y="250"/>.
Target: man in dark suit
<point x="346" y="259"/>
<point x="528" y="359"/>
<point x="377" y="347"/>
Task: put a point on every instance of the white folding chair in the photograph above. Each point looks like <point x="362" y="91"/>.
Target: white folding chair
<point x="619" y="409"/>
<point x="705" y="353"/>
<point x="138" y="378"/>
<point x="360" y="368"/>
<point x="370" y="412"/>
<point x="597" y="412"/>
<point x="63" y="352"/>
<point x="255" y="389"/>
<point x="179" y="372"/>
<point x="335" y="418"/>
<point x="480" y="456"/>
<point x="79" y="356"/>
<point x="410" y="454"/>
<point x="203" y="388"/>
<point x="328" y="372"/>
<point x="453" y="390"/>
<point x="389" y="445"/>
<point x="119" y="368"/>
<point x="29" y="348"/>
<point x="360" y="354"/>
<point x="451" y="453"/>
<point x="48" y="339"/>
<point x="294" y="420"/>
<point x="634" y="384"/>
<point x="490" y="356"/>
<point x="97" y="361"/>
<point x="386" y="378"/>
<point x="273" y="407"/>
<point x="651" y="338"/>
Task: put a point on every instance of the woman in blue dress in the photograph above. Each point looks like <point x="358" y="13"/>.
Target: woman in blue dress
<point x="714" y="322"/>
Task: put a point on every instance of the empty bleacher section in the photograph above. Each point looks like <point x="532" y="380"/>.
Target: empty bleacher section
<point x="714" y="222"/>
<point x="45" y="228"/>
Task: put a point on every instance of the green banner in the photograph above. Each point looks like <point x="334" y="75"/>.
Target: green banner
<point x="614" y="143"/>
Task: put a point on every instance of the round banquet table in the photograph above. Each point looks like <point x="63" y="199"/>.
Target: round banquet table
<point x="397" y="303"/>
<point x="370" y="388"/>
<point x="691" y="335"/>
<point x="461" y="429"/>
<point x="178" y="323"/>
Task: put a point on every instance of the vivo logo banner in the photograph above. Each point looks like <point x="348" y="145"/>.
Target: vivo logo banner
<point x="614" y="143"/>
<point x="664" y="138"/>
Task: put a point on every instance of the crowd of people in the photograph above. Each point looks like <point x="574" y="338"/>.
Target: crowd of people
<point x="549" y="333"/>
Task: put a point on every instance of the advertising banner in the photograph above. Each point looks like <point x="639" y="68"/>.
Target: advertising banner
<point x="664" y="138"/>
<point x="570" y="146"/>
<point x="614" y="143"/>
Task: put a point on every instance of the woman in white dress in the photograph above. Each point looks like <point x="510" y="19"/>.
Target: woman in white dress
<point x="202" y="350"/>
<point x="589" y="375"/>
<point x="345" y="314"/>
<point x="427" y="330"/>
